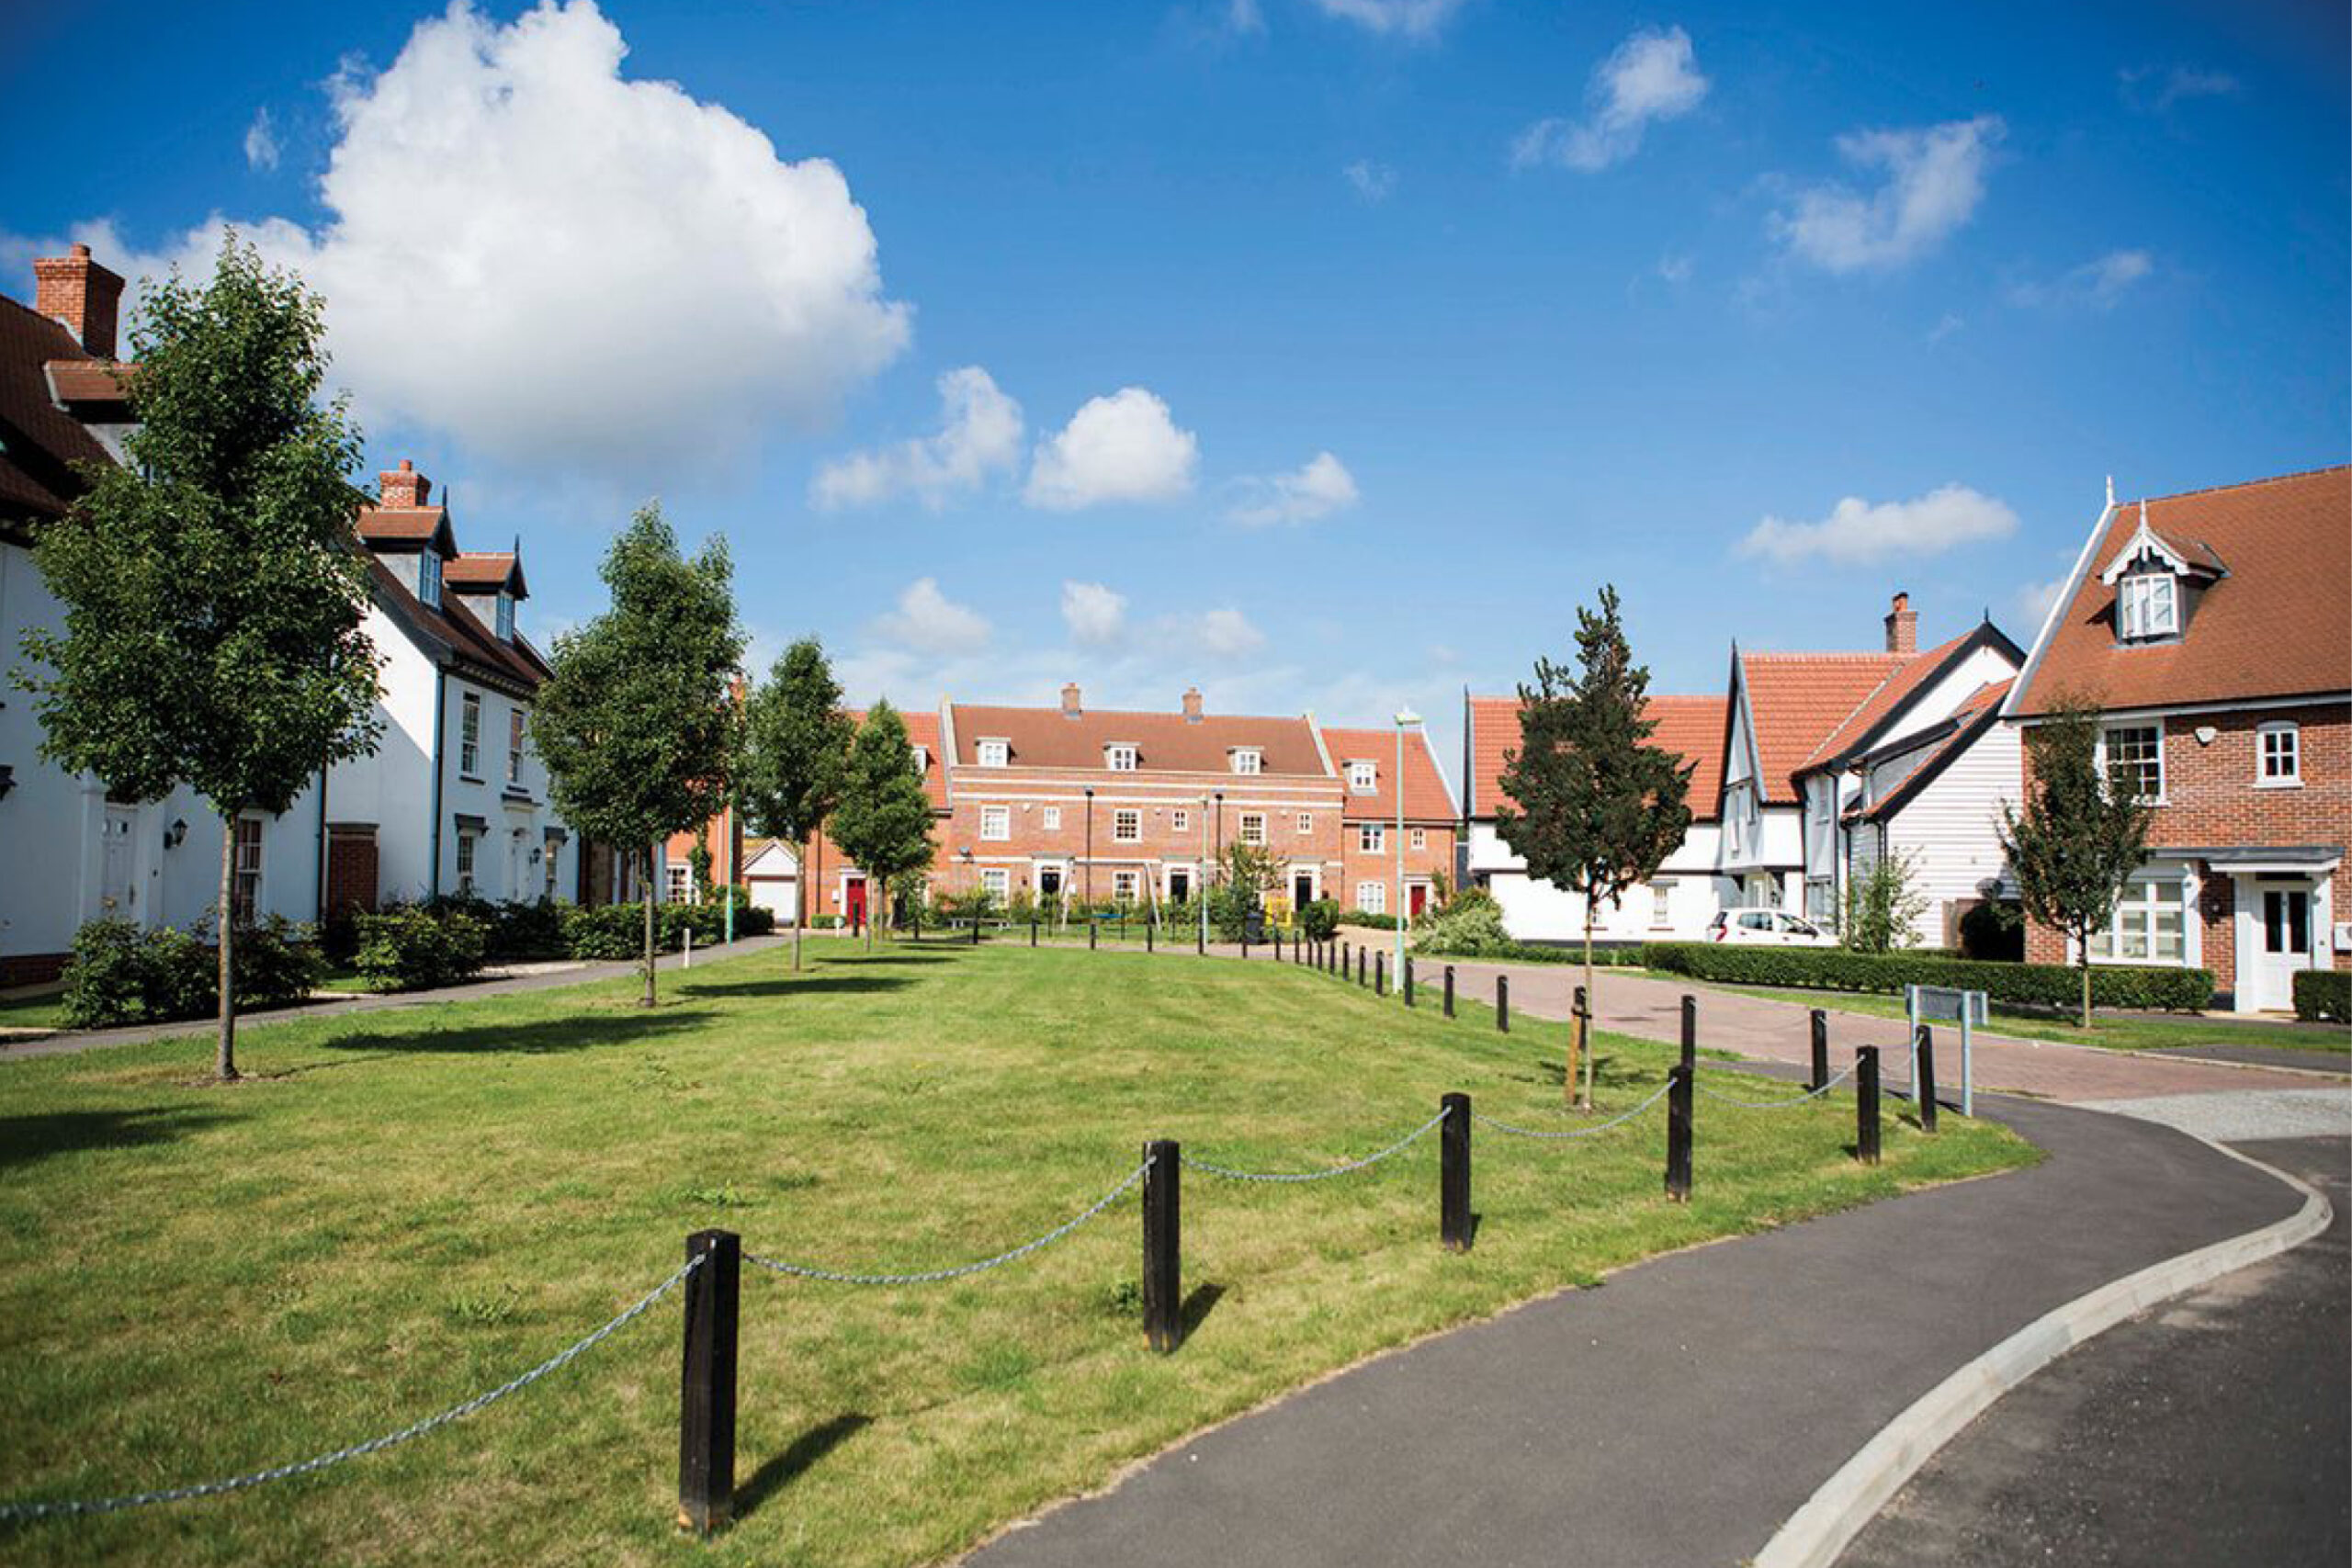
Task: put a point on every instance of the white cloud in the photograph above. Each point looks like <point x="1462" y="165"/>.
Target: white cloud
<point x="927" y="621"/>
<point x="1675" y="267"/>
<point x="1096" y="616"/>
<point x="2148" y="88"/>
<point x="2035" y="600"/>
<point x="980" y="433"/>
<point x="1123" y="448"/>
<point x="1228" y="634"/>
<point x="1417" y="21"/>
<point x="1934" y="180"/>
<point x="261" y="140"/>
<point x="1322" y="486"/>
<point x="1857" y="531"/>
<point x="557" y="266"/>
<point x="1946" y="324"/>
<point x="1243" y="16"/>
<point x="2099" y="284"/>
<point x="1372" y="182"/>
<point x="1651" y="76"/>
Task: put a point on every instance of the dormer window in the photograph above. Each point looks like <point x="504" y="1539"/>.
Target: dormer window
<point x="428" y="578"/>
<point x="1247" y="760"/>
<point x="1363" y="777"/>
<point x="2147" y="604"/>
<point x="1119" y="758"/>
<point x="506" y="616"/>
<point x="922" y="760"/>
<point x="995" y="753"/>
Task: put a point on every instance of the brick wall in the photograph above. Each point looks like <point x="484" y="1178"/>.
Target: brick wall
<point x="1434" y="860"/>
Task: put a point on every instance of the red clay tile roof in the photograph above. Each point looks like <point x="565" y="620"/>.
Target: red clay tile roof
<point x="380" y="526"/>
<point x="1974" y="716"/>
<point x="39" y="443"/>
<point x="1690" y="728"/>
<point x="922" y="730"/>
<point x="2277" y="624"/>
<point x="1164" y="743"/>
<point x="1795" y="700"/>
<point x="1426" y="797"/>
<point x="490" y="570"/>
<point x="87" y="380"/>
<point x="1899" y="684"/>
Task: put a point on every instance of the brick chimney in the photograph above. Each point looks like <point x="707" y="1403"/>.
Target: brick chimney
<point x="1902" y="626"/>
<point x="1070" y="706"/>
<point x="82" y="294"/>
<point x="1192" y="704"/>
<point x="404" y="486"/>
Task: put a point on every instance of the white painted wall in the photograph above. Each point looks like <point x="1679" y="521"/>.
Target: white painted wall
<point x="1534" y="910"/>
<point x="1949" y="827"/>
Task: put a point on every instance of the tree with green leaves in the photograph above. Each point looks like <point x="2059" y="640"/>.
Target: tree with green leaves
<point x="1884" y="905"/>
<point x="2081" y="836"/>
<point x="795" y="753"/>
<point x="637" y="723"/>
<point x="1595" y="810"/>
<point x="883" y="822"/>
<point x="214" y="598"/>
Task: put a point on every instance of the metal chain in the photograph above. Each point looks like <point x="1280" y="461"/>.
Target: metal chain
<point x="1397" y="1147"/>
<point x="1576" y="1131"/>
<point x="933" y="1276"/>
<point x="1778" y="1102"/>
<point x="373" y="1445"/>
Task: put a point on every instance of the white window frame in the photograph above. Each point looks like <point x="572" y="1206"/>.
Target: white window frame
<point x="469" y="736"/>
<point x="1421" y="839"/>
<point x="2135" y="914"/>
<point x="1253" y="829"/>
<point x="922" y="760"/>
<point x="467" y="858"/>
<point x="996" y="881"/>
<point x="1180" y="820"/>
<point x="1247" y="761"/>
<point x="551" y="857"/>
<point x="428" y="577"/>
<point x="244" y="893"/>
<point x="514" y="728"/>
<point x="2154" y="724"/>
<point x="677" y="883"/>
<point x="1371" y="897"/>
<point x="1372" y="838"/>
<point x="2147" y="605"/>
<point x="2291" y="750"/>
<point x="1050" y="819"/>
<point x="1126" y="825"/>
<point x="1305" y="823"/>
<point x="1364" y="778"/>
<point x="1119" y="758"/>
<point x="994" y="754"/>
<point x="996" y="824"/>
<point x="506" y="616"/>
<point x="1662" y="904"/>
<point x="1167" y="875"/>
<point x="1126" y="886"/>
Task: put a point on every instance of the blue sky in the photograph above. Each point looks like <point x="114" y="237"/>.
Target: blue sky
<point x="1322" y="352"/>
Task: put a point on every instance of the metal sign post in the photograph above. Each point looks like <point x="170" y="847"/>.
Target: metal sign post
<point x="1924" y="1004"/>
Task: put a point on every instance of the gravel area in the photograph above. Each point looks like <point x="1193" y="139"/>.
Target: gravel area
<point x="2243" y="1114"/>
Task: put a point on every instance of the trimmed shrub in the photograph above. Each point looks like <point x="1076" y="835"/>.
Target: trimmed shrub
<point x="1320" y="920"/>
<point x="824" y="922"/>
<point x="617" y="931"/>
<point x="416" y="948"/>
<point x="2033" y="985"/>
<point x="1368" y="920"/>
<point x="1470" y="926"/>
<point x="2323" y="993"/>
<point x="122" y="975"/>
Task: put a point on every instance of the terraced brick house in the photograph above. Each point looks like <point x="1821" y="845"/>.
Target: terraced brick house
<point x="2214" y="630"/>
<point x="1367" y="760"/>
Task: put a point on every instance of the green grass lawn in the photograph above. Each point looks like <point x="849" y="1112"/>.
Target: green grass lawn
<point x="2118" y="1031"/>
<point x="44" y="1011"/>
<point x="402" y="1208"/>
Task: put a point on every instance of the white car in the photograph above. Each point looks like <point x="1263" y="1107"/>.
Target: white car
<point x="1768" y="927"/>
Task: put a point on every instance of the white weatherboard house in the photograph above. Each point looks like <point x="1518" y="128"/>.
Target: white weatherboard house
<point x="454" y="798"/>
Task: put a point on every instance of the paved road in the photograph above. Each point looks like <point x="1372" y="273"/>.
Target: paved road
<point x="2210" y="1431"/>
<point x="1680" y="1413"/>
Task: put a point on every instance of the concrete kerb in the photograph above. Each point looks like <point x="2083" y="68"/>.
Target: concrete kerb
<point x="1815" y="1535"/>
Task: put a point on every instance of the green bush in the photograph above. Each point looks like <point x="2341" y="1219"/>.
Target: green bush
<point x="1470" y="926"/>
<point x="1320" y="920"/>
<point x="2032" y="984"/>
<point x="1366" y="919"/>
<point x="122" y="975"/>
<point x="824" y="922"/>
<point x="417" y="947"/>
<point x="2323" y="993"/>
<point x="617" y="931"/>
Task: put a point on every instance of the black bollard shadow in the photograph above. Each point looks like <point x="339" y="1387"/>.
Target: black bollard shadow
<point x="797" y="1460"/>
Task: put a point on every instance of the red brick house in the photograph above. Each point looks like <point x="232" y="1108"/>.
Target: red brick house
<point x="2214" y="629"/>
<point x="1366" y="762"/>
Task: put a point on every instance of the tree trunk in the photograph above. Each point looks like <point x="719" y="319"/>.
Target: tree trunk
<point x="2087" y="983"/>
<point x="801" y="880"/>
<point x="224" y="1053"/>
<point x="1579" y="1048"/>
<point x="646" y="893"/>
<point x="878" y="907"/>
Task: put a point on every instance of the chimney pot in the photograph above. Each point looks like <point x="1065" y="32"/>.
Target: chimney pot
<point x="1902" y="626"/>
<point x="82" y="296"/>
<point x="1193" y="703"/>
<point x="403" y="486"/>
<point x="1070" y="707"/>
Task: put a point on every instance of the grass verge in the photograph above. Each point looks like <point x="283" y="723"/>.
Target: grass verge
<point x="401" y="1208"/>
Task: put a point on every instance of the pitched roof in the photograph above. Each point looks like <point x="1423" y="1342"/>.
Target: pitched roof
<point x="922" y="730"/>
<point x="486" y="570"/>
<point x="2277" y="623"/>
<point x="1869" y="719"/>
<point x="97" y="385"/>
<point x="1164" y="743"/>
<point x="1797" y="700"/>
<point x="400" y="525"/>
<point x="1690" y="728"/>
<point x="39" y="443"/>
<point x="1977" y="713"/>
<point x="1426" y="797"/>
<point x="473" y="647"/>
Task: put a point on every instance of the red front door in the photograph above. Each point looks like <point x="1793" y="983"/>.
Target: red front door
<point x="855" y="902"/>
<point x="1420" y="897"/>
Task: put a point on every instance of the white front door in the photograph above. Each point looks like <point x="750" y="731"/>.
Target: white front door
<point x="117" y="892"/>
<point x="2275" y="942"/>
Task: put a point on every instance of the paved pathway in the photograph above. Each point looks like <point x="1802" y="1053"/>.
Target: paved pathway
<point x="1680" y="1413"/>
<point x="2210" y="1432"/>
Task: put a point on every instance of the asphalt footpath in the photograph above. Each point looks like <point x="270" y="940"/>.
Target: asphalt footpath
<point x="1680" y="1412"/>
<point x="2209" y="1432"/>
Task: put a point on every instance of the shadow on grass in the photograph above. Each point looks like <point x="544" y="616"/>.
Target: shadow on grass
<point x="577" y="1032"/>
<point x="24" y="1139"/>
<point x="797" y="1460"/>
<point x="1196" y="1309"/>
<point x="887" y="955"/>
<point x="788" y="986"/>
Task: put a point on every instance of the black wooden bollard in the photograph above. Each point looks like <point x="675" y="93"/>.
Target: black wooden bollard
<point x="1678" y="1132"/>
<point x="1407" y="987"/>
<point x="1245" y="943"/>
<point x="1163" y="1273"/>
<point x="917" y="919"/>
<point x="1093" y="927"/>
<point x="1866" y="1105"/>
<point x="1449" y="990"/>
<point x="1149" y="927"/>
<point x="1380" y="974"/>
<point x="976" y="931"/>
<point x="1454" y="1225"/>
<point x="1820" y="1050"/>
<point x="1690" y="1030"/>
<point x="1201" y="940"/>
<point x="1278" y="944"/>
<point x="1923" y="1079"/>
<point x="1502" y="1003"/>
<point x="1032" y="931"/>
<point x="707" y="1391"/>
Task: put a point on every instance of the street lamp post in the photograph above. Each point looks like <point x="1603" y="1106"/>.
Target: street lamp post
<point x="1406" y="720"/>
<point x="1089" y="853"/>
<point x="1201" y="894"/>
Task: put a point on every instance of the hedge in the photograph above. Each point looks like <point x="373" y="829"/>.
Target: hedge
<point x="617" y="931"/>
<point x="122" y="974"/>
<point x="2323" y="993"/>
<point x="419" y="947"/>
<point x="1834" y="969"/>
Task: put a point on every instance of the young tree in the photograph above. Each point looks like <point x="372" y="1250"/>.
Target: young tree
<point x="637" y="724"/>
<point x="2081" y="835"/>
<point x="883" y="822"/>
<point x="1883" y="908"/>
<point x="213" y="596"/>
<point x="795" y="751"/>
<point x="1597" y="811"/>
